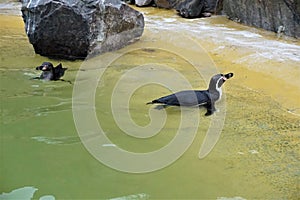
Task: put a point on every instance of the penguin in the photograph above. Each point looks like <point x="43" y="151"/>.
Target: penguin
<point x="205" y="98"/>
<point x="50" y="73"/>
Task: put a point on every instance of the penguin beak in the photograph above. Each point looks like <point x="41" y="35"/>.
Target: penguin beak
<point x="227" y="76"/>
<point x="42" y="67"/>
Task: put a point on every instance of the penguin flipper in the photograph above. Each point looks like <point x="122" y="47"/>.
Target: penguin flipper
<point x="59" y="71"/>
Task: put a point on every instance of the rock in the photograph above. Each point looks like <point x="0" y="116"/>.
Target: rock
<point x="73" y="29"/>
<point x="219" y="7"/>
<point x="190" y="8"/>
<point x="273" y="15"/>
<point x="210" y="6"/>
<point x="143" y="2"/>
<point x="196" y="8"/>
<point x="168" y="4"/>
<point x="132" y="2"/>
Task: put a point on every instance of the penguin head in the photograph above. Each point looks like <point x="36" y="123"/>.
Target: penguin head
<point x="47" y="71"/>
<point x="218" y="80"/>
<point x="46" y="66"/>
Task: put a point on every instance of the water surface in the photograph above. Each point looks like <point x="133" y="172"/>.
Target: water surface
<point x="256" y="157"/>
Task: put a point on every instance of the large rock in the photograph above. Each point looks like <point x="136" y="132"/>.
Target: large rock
<point x="190" y="8"/>
<point x="195" y="8"/>
<point x="273" y="15"/>
<point x="73" y="29"/>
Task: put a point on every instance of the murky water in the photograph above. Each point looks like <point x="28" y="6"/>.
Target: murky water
<point x="257" y="156"/>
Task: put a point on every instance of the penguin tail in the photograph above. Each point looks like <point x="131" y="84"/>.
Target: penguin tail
<point x="151" y="102"/>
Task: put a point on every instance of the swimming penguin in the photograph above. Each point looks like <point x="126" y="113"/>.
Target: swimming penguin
<point x="205" y="98"/>
<point x="51" y="73"/>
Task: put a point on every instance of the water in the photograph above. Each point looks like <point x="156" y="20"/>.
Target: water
<point x="256" y="157"/>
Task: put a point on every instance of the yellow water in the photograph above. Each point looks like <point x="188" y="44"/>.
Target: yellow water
<point x="256" y="157"/>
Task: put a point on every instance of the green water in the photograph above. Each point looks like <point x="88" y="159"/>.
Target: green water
<point x="256" y="157"/>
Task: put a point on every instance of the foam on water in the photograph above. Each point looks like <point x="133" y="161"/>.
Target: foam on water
<point x="220" y="34"/>
<point x="169" y="20"/>
<point x="63" y="140"/>
<point x="230" y="198"/>
<point x="109" y="145"/>
<point x="141" y="196"/>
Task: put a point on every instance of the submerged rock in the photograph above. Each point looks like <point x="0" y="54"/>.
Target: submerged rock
<point x="273" y="15"/>
<point x="73" y="29"/>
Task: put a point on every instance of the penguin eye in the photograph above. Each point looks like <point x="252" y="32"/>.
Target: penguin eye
<point x="222" y="74"/>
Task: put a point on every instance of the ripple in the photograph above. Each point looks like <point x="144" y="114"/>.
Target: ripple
<point x="63" y="140"/>
<point x="231" y="198"/>
<point x="140" y="196"/>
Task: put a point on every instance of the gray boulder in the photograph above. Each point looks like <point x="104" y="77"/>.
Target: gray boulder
<point x="210" y="6"/>
<point x="73" y="29"/>
<point x="143" y="2"/>
<point x="274" y="15"/>
<point x="196" y="8"/>
<point x="191" y="8"/>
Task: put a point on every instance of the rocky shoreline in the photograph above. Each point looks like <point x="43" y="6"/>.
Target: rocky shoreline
<point x="280" y="16"/>
<point x="103" y="26"/>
